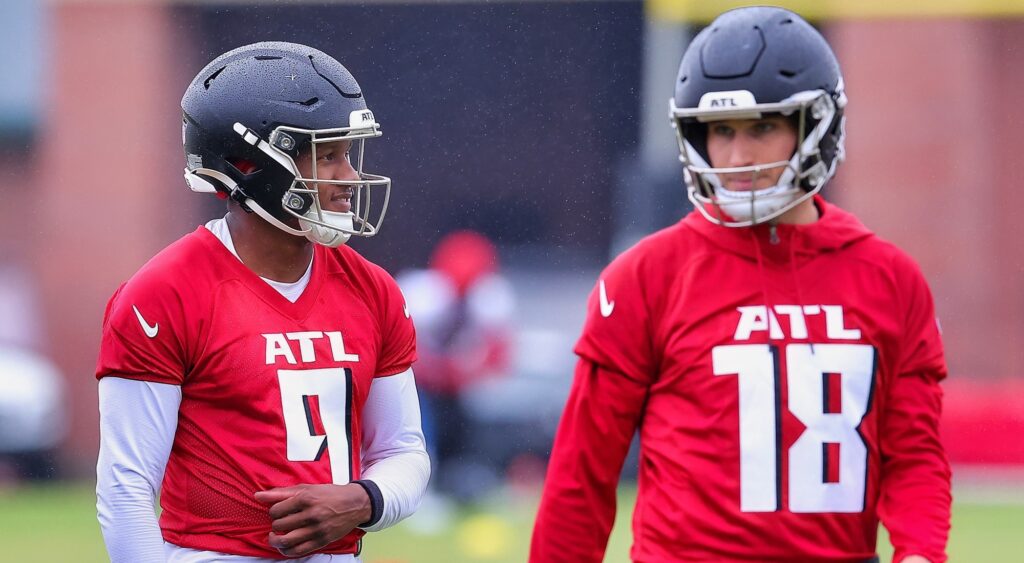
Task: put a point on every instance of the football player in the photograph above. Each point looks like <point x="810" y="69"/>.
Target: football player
<point x="256" y="374"/>
<point x="780" y="362"/>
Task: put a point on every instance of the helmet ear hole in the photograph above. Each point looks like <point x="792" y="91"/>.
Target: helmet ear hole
<point x="244" y="166"/>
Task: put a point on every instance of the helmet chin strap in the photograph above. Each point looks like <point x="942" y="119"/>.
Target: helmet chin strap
<point x="196" y="182"/>
<point x="757" y="206"/>
<point x="330" y="236"/>
<point x="255" y="207"/>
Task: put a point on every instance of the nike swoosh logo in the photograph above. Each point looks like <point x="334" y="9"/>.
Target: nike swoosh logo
<point x="606" y="306"/>
<point x="149" y="330"/>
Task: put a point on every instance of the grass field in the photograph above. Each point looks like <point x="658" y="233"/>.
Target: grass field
<point x="57" y="524"/>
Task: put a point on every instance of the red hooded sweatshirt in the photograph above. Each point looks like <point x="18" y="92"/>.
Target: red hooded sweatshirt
<point x="785" y="384"/>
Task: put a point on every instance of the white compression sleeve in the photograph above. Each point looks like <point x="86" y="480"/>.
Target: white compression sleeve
<point x="138" y="420"/>
<point x="394" y="452"/>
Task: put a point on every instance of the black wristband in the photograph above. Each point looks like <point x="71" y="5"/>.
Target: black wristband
<point x="376" y="502"/>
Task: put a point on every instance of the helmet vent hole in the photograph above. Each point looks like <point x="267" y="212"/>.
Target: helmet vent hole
<point x="785" y="21"/>
<point x="788" y="73"/>
<point x="344" y="94"/>
<point x="308" y="103"/>
<point x="212" y="77"/>
<point x="242" y="165"/>
<point x="267" y="58"/>
<point x="683" y="79"/>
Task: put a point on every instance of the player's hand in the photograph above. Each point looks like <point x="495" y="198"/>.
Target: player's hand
<point x="914" y="559"/>
<point x="305" y="518"/>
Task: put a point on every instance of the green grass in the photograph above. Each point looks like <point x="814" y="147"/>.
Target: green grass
<point x="57" y="523"/>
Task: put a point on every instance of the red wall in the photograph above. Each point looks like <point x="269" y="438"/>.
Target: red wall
<point x="983" y="421"/>
<point x="106" y="169"/>
<point x="935" y="127"/>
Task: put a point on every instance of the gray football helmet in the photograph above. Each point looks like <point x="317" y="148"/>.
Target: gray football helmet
<point x="247" y="116"/>
<point x="750" y="62"/>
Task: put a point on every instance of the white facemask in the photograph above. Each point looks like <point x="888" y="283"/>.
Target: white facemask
<point x="805" y="169"/>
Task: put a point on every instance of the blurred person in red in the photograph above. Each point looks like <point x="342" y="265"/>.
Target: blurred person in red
<point x="463" y="309"/>
<point x="256" y="374"/>
<point x="780" y="361"/>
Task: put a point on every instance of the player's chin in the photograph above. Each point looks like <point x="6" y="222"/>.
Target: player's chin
<point x="339" y="205"/>
<point x="765" y="183"/>
<point x="740" y="186"/>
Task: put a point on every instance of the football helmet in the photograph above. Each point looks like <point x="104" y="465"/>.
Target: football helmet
<point x="248" y="116"/>
<point x="747" y="63"/>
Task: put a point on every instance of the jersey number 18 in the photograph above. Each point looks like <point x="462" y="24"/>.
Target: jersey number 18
<point x="830" y="432"/>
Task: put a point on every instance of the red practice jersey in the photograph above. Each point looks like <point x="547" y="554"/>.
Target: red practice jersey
<point x="272" y="391"/>
<point x="786" y="393"/>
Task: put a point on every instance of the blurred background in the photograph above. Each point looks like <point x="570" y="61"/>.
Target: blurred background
<point x="534" y="132"/>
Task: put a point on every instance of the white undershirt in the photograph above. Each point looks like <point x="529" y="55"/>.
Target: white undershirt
<point x="138" y="420"/>
<point x="290" y="290"/>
